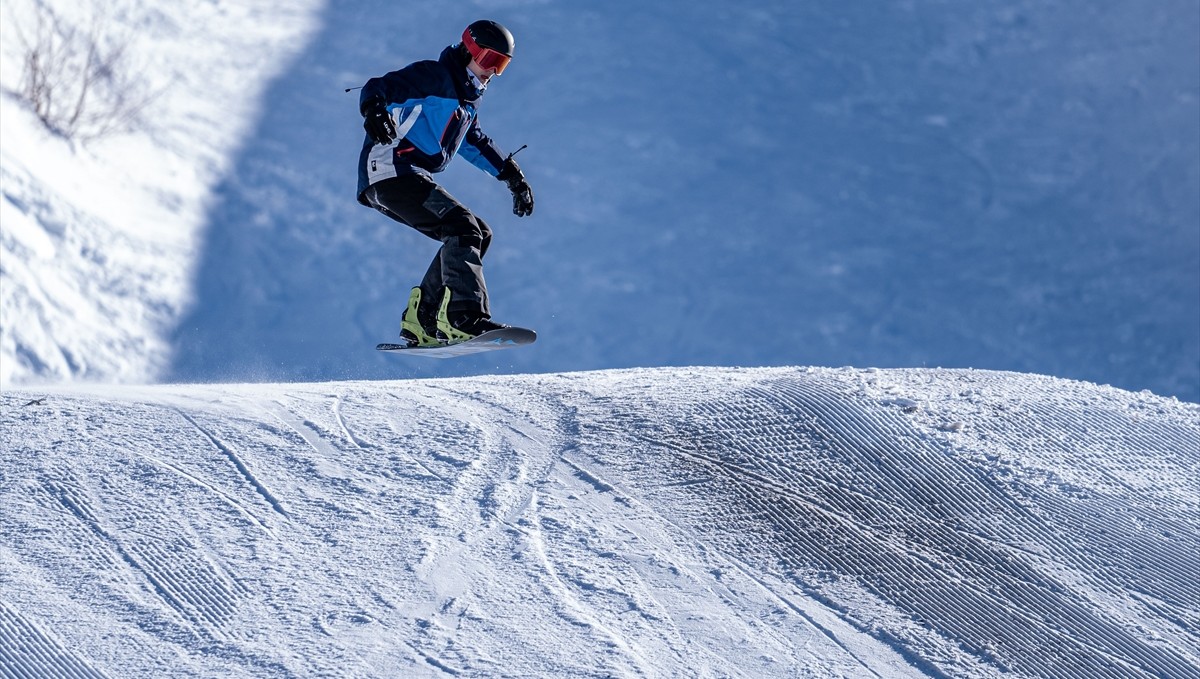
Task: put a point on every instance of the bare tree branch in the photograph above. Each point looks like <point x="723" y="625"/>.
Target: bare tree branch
<point x="80" y="81"/>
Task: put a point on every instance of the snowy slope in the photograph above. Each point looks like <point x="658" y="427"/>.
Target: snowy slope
<point x="98" y="242"/>
<point x="1005" y="184"/>
<point x="683" y="522"/>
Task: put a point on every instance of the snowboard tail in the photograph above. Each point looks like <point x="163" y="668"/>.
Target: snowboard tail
<point x="503" y="338"/>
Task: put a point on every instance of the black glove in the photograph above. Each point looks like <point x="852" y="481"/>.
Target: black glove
<point x="521" y="192"/>
<point x="378" y="123"/>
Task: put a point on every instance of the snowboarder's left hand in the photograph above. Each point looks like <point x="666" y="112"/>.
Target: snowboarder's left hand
<point x="521" y="192"/>
<point x="522" y="197"/>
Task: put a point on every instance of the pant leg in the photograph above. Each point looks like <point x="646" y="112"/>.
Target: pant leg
<point x="418" y="201"/>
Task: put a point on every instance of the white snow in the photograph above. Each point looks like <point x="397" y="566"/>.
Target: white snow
<point x="98" y="245"/>
<point x="710" y="522"/>
<point x="1003" y="183"/>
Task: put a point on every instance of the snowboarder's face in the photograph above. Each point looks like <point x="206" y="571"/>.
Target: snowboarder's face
<point x="483" y="74"/>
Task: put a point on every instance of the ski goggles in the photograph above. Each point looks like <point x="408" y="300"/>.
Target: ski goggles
<point x="486" y="57"/>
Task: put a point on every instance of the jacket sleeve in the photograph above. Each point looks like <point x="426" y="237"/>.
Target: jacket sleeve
<point x="481" y="151"/>
<point x="393" y="88"/>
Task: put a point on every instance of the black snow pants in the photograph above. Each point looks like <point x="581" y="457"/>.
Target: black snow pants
<point x="416" y="200"/>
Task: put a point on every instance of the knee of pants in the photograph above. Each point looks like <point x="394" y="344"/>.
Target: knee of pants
<point x="468" y="229"/>
<point x="487" y="238"/>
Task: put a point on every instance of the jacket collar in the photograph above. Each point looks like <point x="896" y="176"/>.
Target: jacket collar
<point x="464" y="85"/>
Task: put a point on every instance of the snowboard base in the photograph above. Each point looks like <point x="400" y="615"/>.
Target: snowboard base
<point x="504" y="338"/>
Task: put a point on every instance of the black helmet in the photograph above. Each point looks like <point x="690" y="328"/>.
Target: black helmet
<point x="490" y="35"/>
<point x="489" y="44"/>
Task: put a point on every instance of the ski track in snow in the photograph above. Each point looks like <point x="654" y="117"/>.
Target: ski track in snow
<point x="686" y="522"/>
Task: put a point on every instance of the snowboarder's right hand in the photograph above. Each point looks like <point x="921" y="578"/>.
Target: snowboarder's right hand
<point x="378" y="122"/>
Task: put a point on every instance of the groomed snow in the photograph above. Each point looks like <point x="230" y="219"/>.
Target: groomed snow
<point x="1003" y="183"/>
<point x="672" y="523"/>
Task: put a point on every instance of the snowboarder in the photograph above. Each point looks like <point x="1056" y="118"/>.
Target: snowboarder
<point x="416" y="119"/>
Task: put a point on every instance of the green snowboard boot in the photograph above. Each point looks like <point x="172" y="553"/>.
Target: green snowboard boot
<point x="461" y="329"/>
<point x="411" y="328"/>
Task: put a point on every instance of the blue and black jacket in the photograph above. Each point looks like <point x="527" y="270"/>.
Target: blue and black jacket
<point x="433" y="105"/>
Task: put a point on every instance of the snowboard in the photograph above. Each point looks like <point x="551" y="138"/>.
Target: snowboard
<point x="504" y="338"/>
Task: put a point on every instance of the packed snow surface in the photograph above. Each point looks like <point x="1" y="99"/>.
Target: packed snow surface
<point x="709" y="522"/>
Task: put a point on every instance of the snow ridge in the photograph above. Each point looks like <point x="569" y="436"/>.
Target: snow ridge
<point x="675" y="522"/>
